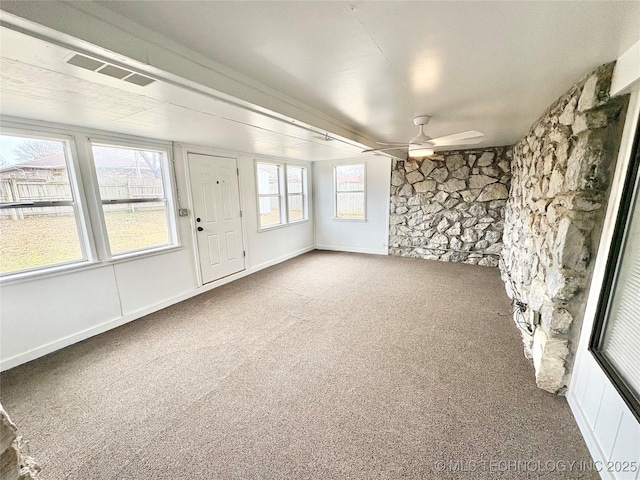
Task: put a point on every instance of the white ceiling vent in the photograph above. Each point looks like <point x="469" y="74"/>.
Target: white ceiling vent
<point x="85" y="62"/>
<point x="139" y="80"/>
<point x="89" y="63"/>
<point x="115" y="72"/>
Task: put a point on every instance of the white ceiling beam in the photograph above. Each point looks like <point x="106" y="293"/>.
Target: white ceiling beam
<point x="89" y="28"/>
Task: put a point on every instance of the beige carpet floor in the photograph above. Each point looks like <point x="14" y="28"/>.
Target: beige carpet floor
<point x="330" y="365"/>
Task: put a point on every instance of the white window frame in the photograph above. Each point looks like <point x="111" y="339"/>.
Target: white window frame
<point x="283" y="193"/>
<point x="167" y="185"/>
<point x="280" y="195"/>
<point x="303" y="195"/>
<point x="336" y="191"/>
<point x="84" y="184"/>
<point x="78" y="203"/>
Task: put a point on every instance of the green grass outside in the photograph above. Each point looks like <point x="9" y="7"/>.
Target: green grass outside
<point x="40" y="241"/>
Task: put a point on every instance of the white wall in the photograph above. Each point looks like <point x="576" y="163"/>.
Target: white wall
<point x="272" y="246"/>
<point x="610" y="430"/>
<point x="41" y="315"/>
<point x="370" y="236"/>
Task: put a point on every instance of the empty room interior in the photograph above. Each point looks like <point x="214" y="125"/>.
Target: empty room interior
<point x="319" y="240"/>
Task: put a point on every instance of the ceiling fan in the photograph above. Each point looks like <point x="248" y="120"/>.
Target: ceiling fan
<point x="423" y="145"/>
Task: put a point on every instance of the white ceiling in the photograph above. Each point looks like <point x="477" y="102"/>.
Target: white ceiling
<point x="37" y="83"/>
<point x="488" y="66"/>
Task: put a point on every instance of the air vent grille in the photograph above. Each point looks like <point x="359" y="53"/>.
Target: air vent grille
<point x="115" y="72"/>
<point x="94" y="65"/>
<point x="139" y="80"/>
<point x="85" y="62"/>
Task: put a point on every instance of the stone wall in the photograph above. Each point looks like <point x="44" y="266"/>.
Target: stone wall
<point x="14" y="463"/>
<point x="450" y="207"/>
<point x="561" y="171"/>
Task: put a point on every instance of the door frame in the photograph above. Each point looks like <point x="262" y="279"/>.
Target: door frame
<point x="197" y="150"/>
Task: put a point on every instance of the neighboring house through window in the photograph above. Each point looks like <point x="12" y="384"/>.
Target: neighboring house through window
<point x="132" y="185"/>
<point x="50" y="220"/>
<point x="40" y="218"/>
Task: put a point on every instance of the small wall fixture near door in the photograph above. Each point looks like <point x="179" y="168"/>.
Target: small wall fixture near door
<point x="218" y="221"/>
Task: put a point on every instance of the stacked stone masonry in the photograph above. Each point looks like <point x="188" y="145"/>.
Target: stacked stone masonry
<point x="561" y="171"/>
<point x="450" y="207"/>
<point x="14" y="463"/>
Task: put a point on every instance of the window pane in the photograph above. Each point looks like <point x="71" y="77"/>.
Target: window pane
<point x="294" y="179"/>
<point x="268" y="182"/>
<point x="37" y="237"/>
<point x="123" y="174"/>
<point x="269" y="211"/>
<point x="350" y="205"/>
<point x="296" y="208"/>
<point x="136" y="226"/>
<point x="349" y="178"/>
<point x="33" y="169"/>
<point x="126" y="173"/>
<point x="621" y="337"/>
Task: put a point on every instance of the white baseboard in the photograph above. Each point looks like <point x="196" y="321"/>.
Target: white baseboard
<point x="51" y="347"/>
<point x="281" y="259"/>
<point x="371" y="251"/>
<point x="589" y="438"/>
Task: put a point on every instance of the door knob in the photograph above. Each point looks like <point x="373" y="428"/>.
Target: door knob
<point x="198" y="219"/>
<point x="200" y="229"/>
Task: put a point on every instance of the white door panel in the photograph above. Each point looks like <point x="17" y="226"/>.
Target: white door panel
<point x="216" y="207"/>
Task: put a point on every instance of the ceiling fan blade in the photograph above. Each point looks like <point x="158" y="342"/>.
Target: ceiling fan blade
<point x="463" y="138"/>
<point x="391" y="144"/>
<point x="402" y="145"/>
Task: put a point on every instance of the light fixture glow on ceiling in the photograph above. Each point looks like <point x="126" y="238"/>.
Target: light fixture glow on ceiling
<point x="420" y="151"/>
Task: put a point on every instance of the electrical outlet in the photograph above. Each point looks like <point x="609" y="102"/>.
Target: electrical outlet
<point x="535" y="318"/>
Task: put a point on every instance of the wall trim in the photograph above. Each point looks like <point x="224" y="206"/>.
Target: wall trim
<point x="337" y="248"/>
<point x="51" y="347"/>
<point x="281" y="259"/>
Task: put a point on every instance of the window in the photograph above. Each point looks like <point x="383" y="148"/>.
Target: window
<point x="133" y="185"/>
<point x="40" y="224"/>
<point x="349" y="186"/>
<point x="269" y="198"/>
<point x="296" y="179"/>
<point x="282" y="194"/>
<point x="53" y="218"/>
<point x="615" y="341"/>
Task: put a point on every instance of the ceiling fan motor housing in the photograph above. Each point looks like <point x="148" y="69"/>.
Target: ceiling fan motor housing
<point x="421" y="120"/>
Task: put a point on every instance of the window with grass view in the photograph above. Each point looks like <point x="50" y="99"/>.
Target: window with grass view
<point x="133" y="196"/>
<point x="296" y="191"/>
<point x="39" y="216"/>
<point x="349" y="184"/>
<point x="269" y="197"/>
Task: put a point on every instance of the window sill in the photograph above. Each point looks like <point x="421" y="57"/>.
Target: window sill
<point x="48" y="272"/>
<point x="282" y="225"/>
<point x="55" y="271"/>
<point x="338" y="219"/>
<point x="124" y="257"/>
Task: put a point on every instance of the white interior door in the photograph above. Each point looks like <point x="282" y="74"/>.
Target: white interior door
<point x="216" y="207"/>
